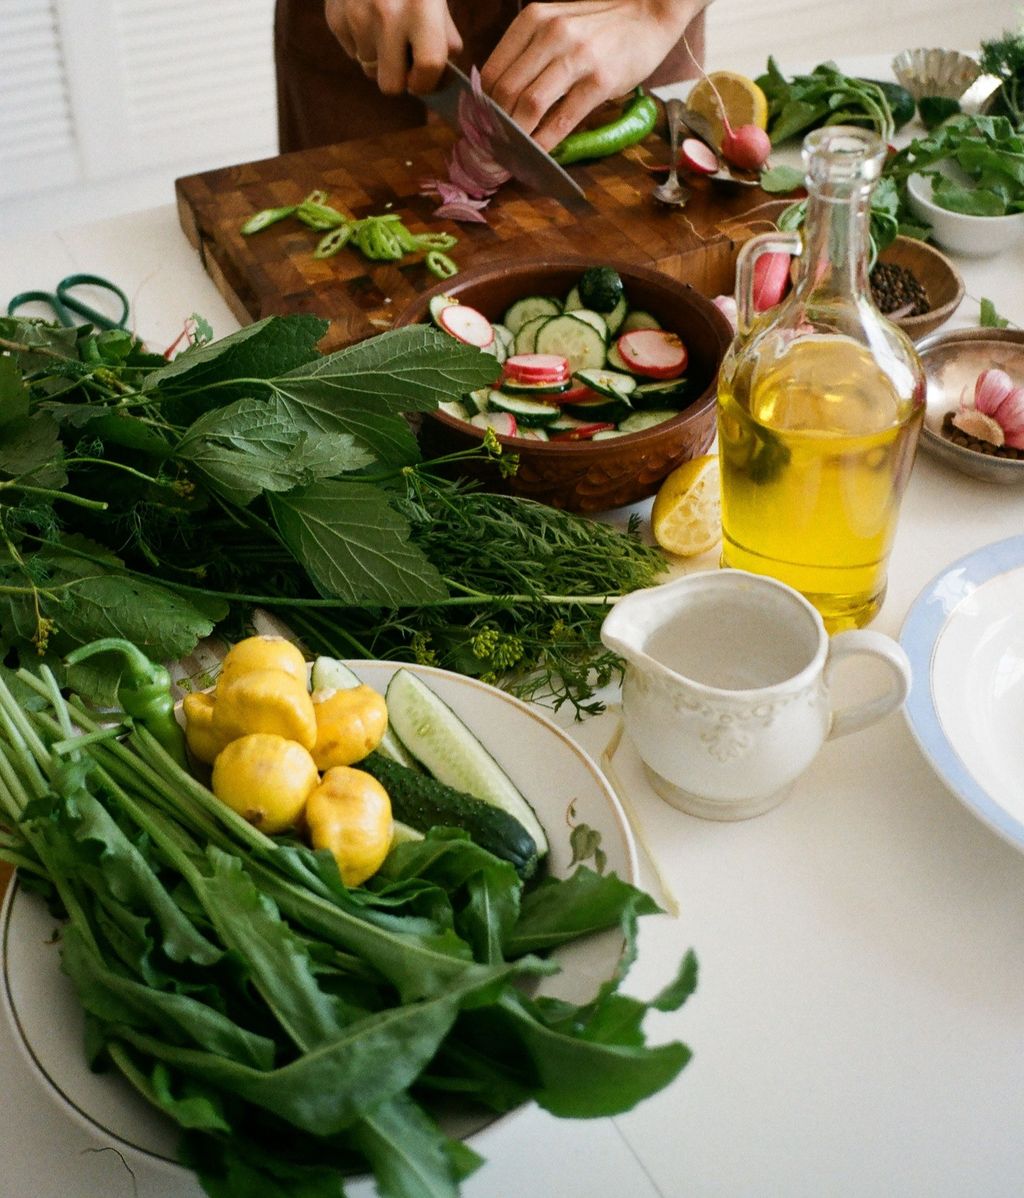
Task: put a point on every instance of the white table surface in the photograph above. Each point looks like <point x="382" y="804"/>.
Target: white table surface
<point x="858" y="1026"/>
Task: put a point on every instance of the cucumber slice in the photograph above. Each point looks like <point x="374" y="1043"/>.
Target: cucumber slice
<point x="526" y="338"/>
<point x="477" y="401"/>
<point x="514" y="387"/>
<point x="639" y="319"/>
<point x="612" y="383"/>
<point x="497" y="350"/>
<point x="330" y="674"/>
<point x="439" y="739"/>
<point x="437" y="304"/>
<point x="598" y="411"/>
<point x="455" y="409"/>
<point x="617" y="315"/>
<point x="534" y="434"/>
<point x="529" y="308"/>
<point x="606" y="434"/>
<point x="507" y="338"/>
<point x="573" y="339"/>
<point x="657" y="395"/>
<point x="572" y="301"/>
<point x="663" y="387"/>
<point x="594" y="319"/>
<point x="403" y="833"/>
<point x="615" y="359"/>
<point x="638" y="421"/>
<point x="529" y="413"/>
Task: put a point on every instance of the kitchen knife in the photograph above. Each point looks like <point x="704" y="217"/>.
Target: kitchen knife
<point x="515" y="150"/>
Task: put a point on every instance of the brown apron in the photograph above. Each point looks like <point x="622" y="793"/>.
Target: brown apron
<point x="324" y="97"/>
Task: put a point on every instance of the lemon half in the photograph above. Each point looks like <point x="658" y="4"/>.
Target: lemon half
<point x="744" y="102"/>
<point x="687" y="514"/>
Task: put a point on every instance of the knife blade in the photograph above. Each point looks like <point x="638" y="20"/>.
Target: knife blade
<point x="515" y="150"/>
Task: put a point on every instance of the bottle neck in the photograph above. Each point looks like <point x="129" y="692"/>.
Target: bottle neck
<point x="836" y="238"/>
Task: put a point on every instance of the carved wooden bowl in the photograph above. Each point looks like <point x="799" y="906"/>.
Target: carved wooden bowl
<point x="591" y="476"/>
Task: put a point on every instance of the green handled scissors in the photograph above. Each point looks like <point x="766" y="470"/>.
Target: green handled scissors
<point x="65" y="304"/>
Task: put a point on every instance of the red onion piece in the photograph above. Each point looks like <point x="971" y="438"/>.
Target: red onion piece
<point x="456" y="210"/>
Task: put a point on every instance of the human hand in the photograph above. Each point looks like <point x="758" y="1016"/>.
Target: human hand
<point x="558" y="61"/>
<point x="403" y="44"/>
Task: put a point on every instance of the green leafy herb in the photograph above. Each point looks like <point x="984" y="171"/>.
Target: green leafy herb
<point x="780" y="180"/>
<point x="826" y="96"/>
<point x="157" y="501"/>
<point x="1004" y="58"/>
<point x="988" y="317"/>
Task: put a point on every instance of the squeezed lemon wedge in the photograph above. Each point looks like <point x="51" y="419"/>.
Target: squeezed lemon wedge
<point x="686" y="518"/>
<point x="744" y="102"/>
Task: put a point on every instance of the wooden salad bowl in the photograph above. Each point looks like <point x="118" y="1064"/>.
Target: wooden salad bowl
<point x="590" y="476"/>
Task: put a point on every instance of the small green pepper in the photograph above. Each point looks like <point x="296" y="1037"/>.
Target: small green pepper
<point x="269" y="216"/>
<point x="332" y="242"/>
<point x="144" y="692"/>
<point x="636" y="121"/>
<point x="435" y="241"/>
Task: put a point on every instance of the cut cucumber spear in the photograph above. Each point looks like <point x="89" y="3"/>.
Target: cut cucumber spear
<point x="438" y="738"/>
<point x="329" y="673"/>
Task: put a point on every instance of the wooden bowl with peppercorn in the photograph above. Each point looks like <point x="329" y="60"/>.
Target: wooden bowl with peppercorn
<point x="914" y="280"/>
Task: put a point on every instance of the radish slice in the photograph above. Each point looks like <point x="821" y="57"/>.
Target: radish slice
<point x="503" y="423"/>
<point x="771" y="280"/>
<point x="584" y="432"/>
<point x="467" y="325"/>
<point x="655" y="353"/>
<point x="696" y="156"/>
<point x="537" y="368"/>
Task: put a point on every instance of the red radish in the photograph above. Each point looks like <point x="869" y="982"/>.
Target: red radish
<point x="583" y="433"/>
<point x="537" y="368"/>
<point x="467" y="325"/>
<point x="503" y="423"/>
<point x="747" y="147"/>
<point x="656" y="353"/>
<point x="771" y="280"/>
<point x="697" y="157"/>
<point x="726" y="304"/>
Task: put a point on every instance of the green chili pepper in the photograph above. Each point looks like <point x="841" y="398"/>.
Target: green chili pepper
<point x="406" y="240"/>
<point x="269" y="216"/>
<point x="320" y="216"/>
<point x="637" y="120"/>
<point x="440" y="264"/>
<point x="435" y="241"/>
<point x="382" y="240"/>
<point x="332" y="242"/>
<point x="144" y="692"/>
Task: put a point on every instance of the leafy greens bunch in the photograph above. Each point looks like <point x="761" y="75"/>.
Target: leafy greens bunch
<point x="976" y="164"/>
<point x="156" y="501"/>
<point x="1004" y="58"/>
<point x="824" y="97"/>
<point x="295" y="1029"/>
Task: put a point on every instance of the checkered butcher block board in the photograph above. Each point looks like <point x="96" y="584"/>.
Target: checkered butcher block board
<point x="274" y="272"/>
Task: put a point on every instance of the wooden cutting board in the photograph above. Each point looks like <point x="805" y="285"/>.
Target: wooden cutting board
<point x="274" y="272"/>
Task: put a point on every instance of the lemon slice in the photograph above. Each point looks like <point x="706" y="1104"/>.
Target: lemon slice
<point x="687" y="514"/>
<point x="744" y="102"/>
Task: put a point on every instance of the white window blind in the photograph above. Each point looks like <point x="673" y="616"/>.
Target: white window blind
<point x="37" y="135"/>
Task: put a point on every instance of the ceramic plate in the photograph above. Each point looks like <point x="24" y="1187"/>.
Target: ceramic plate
<point x="561" y="782"/>
<point x="965" y="639"/>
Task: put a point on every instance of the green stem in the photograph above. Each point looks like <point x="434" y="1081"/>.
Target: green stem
<point x="146" y="478"/>
<point x="94" y="505"/>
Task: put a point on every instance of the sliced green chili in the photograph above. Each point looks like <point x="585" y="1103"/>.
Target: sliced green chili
<point x="269" y="216"/>
<point x="332" y="242"/>
<point x="434" y="241"/>
<point x="440" y="265"/>
<point x="636" y="121"/>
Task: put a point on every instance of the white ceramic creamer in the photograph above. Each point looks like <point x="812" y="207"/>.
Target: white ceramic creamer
<point x="726" y="691"/>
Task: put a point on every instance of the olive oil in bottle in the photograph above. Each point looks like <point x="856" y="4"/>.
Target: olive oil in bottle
<point x="820" y="403"/>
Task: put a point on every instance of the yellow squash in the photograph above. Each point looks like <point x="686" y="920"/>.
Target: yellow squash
<point x="349" y="724"/>
<point x="264" y="701"/>
<point x="349" y="814"/>
<point x="266" y="779"/>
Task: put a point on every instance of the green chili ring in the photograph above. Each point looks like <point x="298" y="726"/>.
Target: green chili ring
<point x="637" y="120"/>
<point x="332" y="242"/>
<point x="440" y="265"/>
<point x="269" y="216"/>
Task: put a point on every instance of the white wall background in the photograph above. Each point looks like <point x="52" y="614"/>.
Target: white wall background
<point x="103" y="103"/>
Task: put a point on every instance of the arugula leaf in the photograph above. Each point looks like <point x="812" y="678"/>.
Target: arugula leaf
<point x="407" y="1152"/>
<point x="354" y="545"/>
<point x="253" y="445"/>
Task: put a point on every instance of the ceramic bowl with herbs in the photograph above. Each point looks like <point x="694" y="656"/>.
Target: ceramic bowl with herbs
<point x="600" y="394"/>
<point x="974" y="418"/>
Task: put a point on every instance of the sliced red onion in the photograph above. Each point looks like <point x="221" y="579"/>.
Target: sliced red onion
<point x="458" y="210"/>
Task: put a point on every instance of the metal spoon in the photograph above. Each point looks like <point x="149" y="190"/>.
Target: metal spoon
<point x="672" y="191"/>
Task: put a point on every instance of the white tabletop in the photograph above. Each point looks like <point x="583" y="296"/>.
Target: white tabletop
<point x="857" y="1030"/>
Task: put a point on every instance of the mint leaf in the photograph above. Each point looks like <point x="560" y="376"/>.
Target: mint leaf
<point x="779" y="180"/>
<point x="354" y="546"/>
<point x="989" y="318"/>
<point x="253" y="445"/>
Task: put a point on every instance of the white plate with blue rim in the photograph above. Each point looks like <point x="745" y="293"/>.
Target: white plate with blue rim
<point x="964" y="636"/>
<point x="566" y="789"/>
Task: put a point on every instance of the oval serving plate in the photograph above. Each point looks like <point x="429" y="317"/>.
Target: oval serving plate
<point x="964" y="636"/>
<point x="561" y="782"/>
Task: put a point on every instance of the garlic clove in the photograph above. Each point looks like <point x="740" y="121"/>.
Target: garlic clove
<point x="1010" y="409"/>
<point x="978" y="424"/>
<point x="991" y="388"/>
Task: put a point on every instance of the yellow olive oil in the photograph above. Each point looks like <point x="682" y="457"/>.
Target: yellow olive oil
<point x="816" y="444"/>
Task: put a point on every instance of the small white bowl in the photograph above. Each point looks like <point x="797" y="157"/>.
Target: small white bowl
<point x="972" y="236"/>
